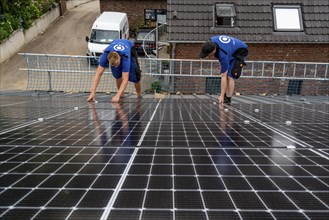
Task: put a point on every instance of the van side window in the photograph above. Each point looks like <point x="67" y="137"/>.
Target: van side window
<point x="120" y="34"/>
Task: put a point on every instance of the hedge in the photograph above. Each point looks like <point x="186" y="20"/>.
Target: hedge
<point x="16" y="14"/>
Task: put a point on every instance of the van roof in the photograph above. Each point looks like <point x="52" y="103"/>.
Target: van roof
<point x="109" y="20"/>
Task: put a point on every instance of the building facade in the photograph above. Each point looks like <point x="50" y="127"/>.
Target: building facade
<point x="296" y="30"/>
<point x="140" y="12"/>
<point x="275" y="30"/>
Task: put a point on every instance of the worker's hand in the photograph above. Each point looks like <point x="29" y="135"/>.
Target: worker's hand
<point x="221" y="107"/>
<point x="116" y="105"/>
<point x="115" y="98"/>
<point x="91" y="97"/>
<point x="221" y="99"/>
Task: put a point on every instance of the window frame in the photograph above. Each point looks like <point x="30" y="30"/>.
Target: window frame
<point x="232" y="17"/>
<point x="154" y="13"/>
<point x="276" y="28"/>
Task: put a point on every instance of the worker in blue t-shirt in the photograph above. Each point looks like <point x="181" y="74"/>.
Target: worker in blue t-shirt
<point x="231" y="53"/>
<point x="122" y="56"/>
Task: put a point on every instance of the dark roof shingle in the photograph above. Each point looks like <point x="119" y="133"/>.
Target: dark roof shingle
<point x="253" y="23"/>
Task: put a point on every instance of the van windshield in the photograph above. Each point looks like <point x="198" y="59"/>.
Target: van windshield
<point x="103" y="36"/>
<point x="146" y="36"/>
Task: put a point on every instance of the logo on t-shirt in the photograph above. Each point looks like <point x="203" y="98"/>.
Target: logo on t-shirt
<point x="224" y="39"/>
<point x="119" y="47"/>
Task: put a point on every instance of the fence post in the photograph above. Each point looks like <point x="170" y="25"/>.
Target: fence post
<point x="172" y="73"/>
<point x="49" y="74"/>
<point x="63" y="7"/>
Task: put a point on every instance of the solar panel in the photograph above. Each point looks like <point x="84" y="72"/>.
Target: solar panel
<point x="182" y="157"/>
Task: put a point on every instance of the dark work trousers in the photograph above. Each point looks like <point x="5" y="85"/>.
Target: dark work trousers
<point x="138" y="69"/>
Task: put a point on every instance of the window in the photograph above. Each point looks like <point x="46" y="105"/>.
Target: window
<point x="162" y="16"/>
<point x="212" y="85"/>
<point x="103" y="36"/>
<point x="294" y="87"/>
<point x="150" y="14"/>
<point x="224" y="15"/>
<point x="287" y="18"/>
<point x="159" y="15"/>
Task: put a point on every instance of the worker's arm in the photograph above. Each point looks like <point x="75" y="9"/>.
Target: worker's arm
<point x="98" y="75"/>
<point x="223" y="87"/>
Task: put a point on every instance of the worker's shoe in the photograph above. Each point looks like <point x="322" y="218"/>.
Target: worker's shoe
<point x="227" y="100"/>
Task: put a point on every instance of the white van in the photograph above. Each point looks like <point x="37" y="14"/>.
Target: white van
<point x="107" y="27"/>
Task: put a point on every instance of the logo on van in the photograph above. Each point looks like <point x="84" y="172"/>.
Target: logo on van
<point x="119" y="47"/>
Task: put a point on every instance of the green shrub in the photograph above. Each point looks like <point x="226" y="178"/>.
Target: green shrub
<point x="156" y="86"/>
<point x="45" y="5"/>
<point x="13" y="21"/>
<point x="21" y="14"/>
<point x="8" y="24"/>
<point x="5" y="30"/>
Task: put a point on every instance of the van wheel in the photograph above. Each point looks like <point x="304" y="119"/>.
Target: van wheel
<point x="91" y="61"/>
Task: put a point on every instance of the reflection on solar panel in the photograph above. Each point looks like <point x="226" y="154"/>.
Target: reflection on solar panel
<point x="181" y="157"/>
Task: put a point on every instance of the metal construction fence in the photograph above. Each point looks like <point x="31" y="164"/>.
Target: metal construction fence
<point x="160" y="33"/>
<point x="75" y="74"/>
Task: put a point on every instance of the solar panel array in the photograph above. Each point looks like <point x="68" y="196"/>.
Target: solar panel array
<point x="180" y="157"/>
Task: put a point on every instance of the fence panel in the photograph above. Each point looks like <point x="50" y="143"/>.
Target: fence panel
<point x="75" y="74"/>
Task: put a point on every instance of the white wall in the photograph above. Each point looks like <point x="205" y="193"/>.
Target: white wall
<point x="9" y="47"/>
<point x="41" y="24"/>
<point x="73" y="3"/>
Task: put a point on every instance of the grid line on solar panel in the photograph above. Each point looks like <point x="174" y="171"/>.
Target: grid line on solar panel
<point x="279" y="113"/>
<point x="176" y="139"/>
<point x="67" y="184"/>
<point x="209" y="134"/>
<point x="188" y="164"/>
<point x="201" y="153"/>
<point x="75" y="133"/>
<point x="151" y="189"/>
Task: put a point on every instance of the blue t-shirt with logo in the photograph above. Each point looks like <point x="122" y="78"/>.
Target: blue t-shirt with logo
<point x="229" y="45"/>
<point x="127" y="64"/>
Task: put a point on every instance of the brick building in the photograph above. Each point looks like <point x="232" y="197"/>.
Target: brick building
<point x="275" y="30"/>
<point x="296" y="30"/>
<point x="301" y="36"/>
<point x="140" y="12"/>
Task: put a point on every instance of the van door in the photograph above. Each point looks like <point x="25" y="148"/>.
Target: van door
<point x="126" y="30"/>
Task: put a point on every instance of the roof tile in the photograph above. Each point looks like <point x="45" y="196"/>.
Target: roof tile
<point x="254" y="21"/>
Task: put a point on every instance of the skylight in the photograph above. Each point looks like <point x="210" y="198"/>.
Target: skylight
<point x="224" y="15"/>
<point x="287" y="18"/>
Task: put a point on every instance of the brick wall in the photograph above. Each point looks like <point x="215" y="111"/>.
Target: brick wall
<point x="278" y="52"/>
<point x="312" y="52"/>
<point x="250" y="86"/>
<point x="290" y="52"/>
<point x="270" y="52"/>
<point x="133" y="8"/>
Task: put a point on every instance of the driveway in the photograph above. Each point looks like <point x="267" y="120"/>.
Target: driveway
<point x="65" y="36"/>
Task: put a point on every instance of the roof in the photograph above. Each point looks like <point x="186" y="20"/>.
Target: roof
<point x="254" y="21"/>
<point x="110" y="20"/>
